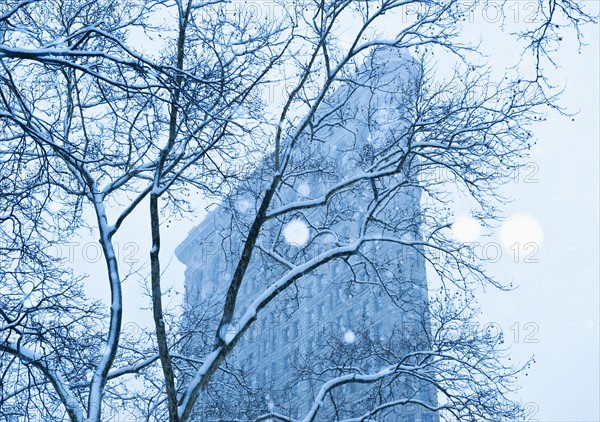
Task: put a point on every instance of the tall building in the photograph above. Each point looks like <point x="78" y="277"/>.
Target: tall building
<point x="353" y="315"/>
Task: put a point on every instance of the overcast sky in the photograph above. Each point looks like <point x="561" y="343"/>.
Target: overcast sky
<point x="555" y="309"/>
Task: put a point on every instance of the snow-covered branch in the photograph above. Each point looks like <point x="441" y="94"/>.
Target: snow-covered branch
<point x="39" y="361"/>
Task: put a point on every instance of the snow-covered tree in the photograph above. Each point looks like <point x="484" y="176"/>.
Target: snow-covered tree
<point x="108" y="106"/>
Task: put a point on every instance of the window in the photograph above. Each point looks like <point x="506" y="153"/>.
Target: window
<point x="309" y="290"/>
<point x="310" y="345"/>
<point x="365" y="308"/>
<point x="319" y="283"/>
<point x="286" y="365"/>
<point x="342" y="295"/>
<point x="378" y="302"/>
<point x="274" y="374"/>
<point x="378" y="328"/>
<point x="249" y="361"/>
<point x="262" y="378"/>
<point x="320" y="311"/>
<point x="273" y="343"/>
<point x="262" y="349"/>
<point x="309" y="320"/>
<point x="349" y="318"/>
<point x="340" y="323"/>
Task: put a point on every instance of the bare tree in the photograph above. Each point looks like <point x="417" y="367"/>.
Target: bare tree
<point x="93" y="126"/>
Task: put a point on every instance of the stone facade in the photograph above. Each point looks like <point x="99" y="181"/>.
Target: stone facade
<point x="356" y="314"/>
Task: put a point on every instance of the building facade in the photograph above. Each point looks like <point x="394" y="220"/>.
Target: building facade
<point x="352" y="315"/>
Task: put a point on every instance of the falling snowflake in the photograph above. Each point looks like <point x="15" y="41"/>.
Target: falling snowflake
<point x="466" y="229"/>
<point x="304" y="189"/>
<point x="349" y="337"/>
<point x="296" y="233"/>
<point x="521" y="229"/>
<point x="243" y="206"/>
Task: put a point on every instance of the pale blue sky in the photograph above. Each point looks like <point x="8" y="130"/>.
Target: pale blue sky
<point x="559" y="295"/>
